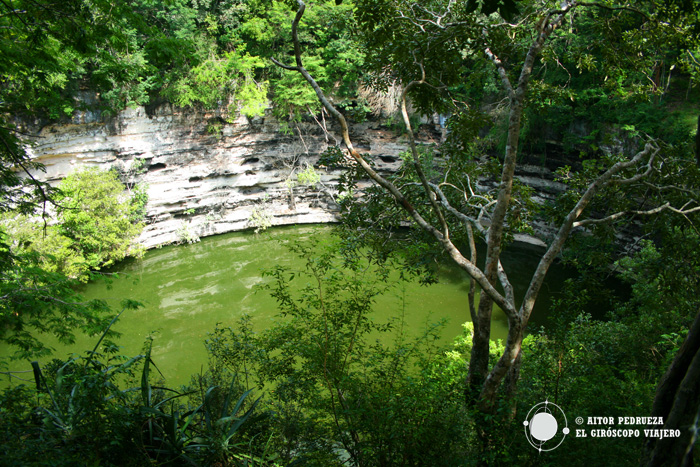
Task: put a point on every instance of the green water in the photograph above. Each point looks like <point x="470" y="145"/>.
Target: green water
<point x="187" y="290"/>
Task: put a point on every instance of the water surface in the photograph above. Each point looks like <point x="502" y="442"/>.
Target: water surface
<point x="188" y="290"/>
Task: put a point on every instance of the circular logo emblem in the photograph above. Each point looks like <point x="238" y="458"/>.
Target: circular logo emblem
<point x="542" y="426"/>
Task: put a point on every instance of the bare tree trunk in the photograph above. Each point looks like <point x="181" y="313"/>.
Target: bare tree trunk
<point x="511" y="355"/>
<point x="677" y="401"/>
<point x="478" y="367"/>
<point x="511" y="382"/>
<point x="479" y="358"/>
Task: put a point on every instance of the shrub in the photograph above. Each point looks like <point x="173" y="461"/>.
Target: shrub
<point x="96" y="214"/>
<point x="335" y="391"/>
<point x="95" y="226"/>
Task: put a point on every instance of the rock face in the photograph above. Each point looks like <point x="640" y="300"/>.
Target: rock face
<point x="205" y="176"/>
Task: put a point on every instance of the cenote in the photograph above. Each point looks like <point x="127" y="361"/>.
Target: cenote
<point x="187" y="290"/>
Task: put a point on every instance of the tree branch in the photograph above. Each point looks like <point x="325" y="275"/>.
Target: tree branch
<point x="636" y="178"/>
<point x="501" y="71"/>
<point x="505" y="283"/>
<point x="447" y="244"/>
<point x="416" y="158"/>
<point x="555" y="247"/>
<point x="618" y="215"/>
<point x="468" y="221"/>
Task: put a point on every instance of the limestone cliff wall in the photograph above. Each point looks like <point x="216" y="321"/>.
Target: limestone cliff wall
<point x="204" y="175"/>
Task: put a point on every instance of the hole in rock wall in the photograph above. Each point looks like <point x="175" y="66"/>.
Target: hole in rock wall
<point x="157" y="166"/>
<point x="388" y="159"/>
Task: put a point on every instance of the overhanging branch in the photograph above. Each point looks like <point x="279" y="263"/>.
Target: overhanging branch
<point x="649" y="151"/>
<point x="447" y="244"/>
<point x="649" y="212"/>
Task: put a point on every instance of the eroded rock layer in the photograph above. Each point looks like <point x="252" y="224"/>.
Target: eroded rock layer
<point x="206" y="176"/>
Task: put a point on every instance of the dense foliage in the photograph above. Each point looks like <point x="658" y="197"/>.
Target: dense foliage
<point x="102" y="409"/>
<point x="95" y="225"/>
<point x="320" y="386"/>
<point x="333" y="386"/>
<point x="203" y="54"/>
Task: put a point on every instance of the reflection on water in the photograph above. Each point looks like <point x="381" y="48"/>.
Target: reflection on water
<point x="187" y="290"/>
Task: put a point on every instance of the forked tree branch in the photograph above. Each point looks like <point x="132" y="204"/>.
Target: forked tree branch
<point x="518" y="322"/>
<point x="650" y="150"/>
<point x="447" y="244"/>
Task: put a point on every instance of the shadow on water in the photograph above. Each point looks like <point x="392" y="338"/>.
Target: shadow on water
<point x="188" y="290"/>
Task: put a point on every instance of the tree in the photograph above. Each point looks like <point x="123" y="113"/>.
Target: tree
<point x="96" y="213"/>
<point x="677" y="402"/>
<point x="39" y="263"/>
<point x="95" y="225"/>
<point x="493" y="215"/>
<point x="46" y="49"/>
